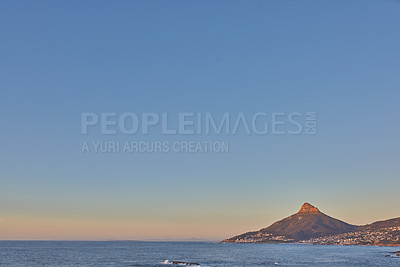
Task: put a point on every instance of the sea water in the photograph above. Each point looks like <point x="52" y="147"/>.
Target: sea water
<point x="132" y="253"/>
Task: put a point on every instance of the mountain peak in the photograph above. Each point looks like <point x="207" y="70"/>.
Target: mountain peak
<point x="307" y="208"/>
<point x="308" y="223"/>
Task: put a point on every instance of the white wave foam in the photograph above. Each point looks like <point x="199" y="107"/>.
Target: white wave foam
<point x="180" y="263"/>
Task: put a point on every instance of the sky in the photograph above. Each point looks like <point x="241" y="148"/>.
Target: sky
<point x="60" y="59"/>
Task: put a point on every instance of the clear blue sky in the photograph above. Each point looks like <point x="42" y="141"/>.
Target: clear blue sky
<point x="61" y="58"/>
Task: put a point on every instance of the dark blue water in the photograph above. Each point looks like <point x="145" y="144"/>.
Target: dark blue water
<point x="126" y="253"/>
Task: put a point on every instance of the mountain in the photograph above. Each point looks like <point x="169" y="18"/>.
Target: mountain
<point x="381" y="224"/>
<point x="309" y="222"/>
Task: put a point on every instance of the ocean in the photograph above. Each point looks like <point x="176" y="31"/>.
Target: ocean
<point x="133" y="253"/>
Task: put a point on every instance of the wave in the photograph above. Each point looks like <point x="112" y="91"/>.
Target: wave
<point x="182" y="263"/>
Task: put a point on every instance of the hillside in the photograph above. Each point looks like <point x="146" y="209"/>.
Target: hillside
<point x="309" y="222"/>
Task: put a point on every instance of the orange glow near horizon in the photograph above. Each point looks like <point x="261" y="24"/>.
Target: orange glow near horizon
<point x="170" y="228"/>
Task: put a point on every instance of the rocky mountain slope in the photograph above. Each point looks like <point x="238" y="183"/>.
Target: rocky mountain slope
<point x="306" y="224"/>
